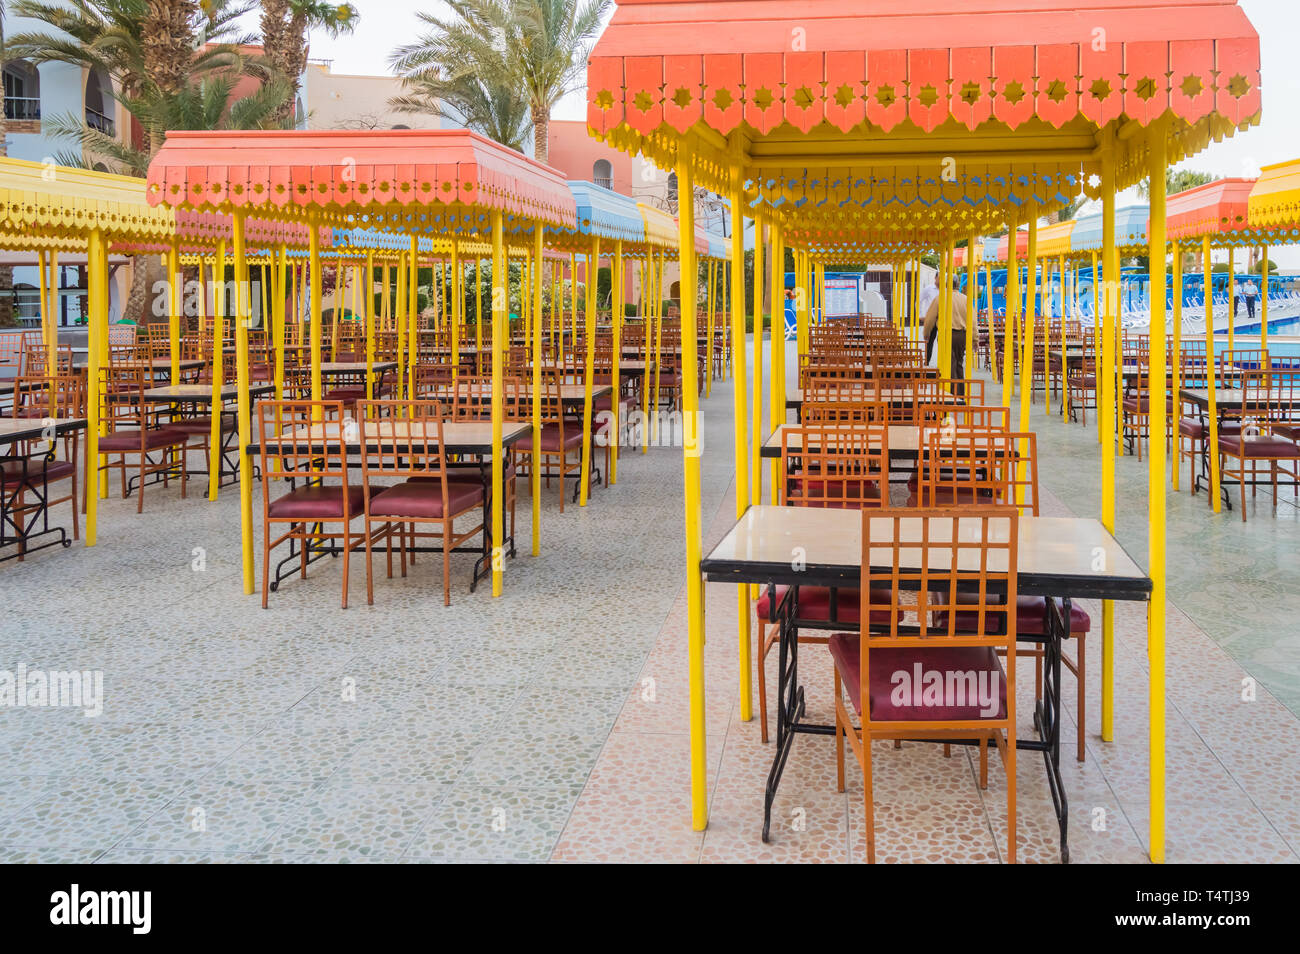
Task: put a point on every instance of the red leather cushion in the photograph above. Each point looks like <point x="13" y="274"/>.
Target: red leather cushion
<point x="950" y="496"/>
<point x="895" y="697"/>
<point x="1263" y="445"/>
<point x="318" y="503"/>
<point x="1030" y="611"/>
<point x="472" y="472"/>
<point x="1192" y="427"/>
<point x="815" y="603"/>
<point x="346" y="393"/>
<point x="201" y="426"/>
<point x="12" y="470"/>
<point x="424" y="499"/>
<point x="1289" y="431"/>
<point x="551" y="438"/>
<point x="128" y="441"/>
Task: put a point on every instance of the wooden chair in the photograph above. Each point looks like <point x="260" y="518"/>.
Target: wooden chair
<point x="916" y="571"/>
<point x="842" y="466"/>
<point x="405" y="443"/>
<point x="560" y="438"/>
<point x="37" y="467"/>
<point x="306" y="466"/>
<point x="1267" y="438"/>
<point x="131" y="428"/>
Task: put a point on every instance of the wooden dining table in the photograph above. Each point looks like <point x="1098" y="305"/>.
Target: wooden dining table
<point x="200" y="395"/>
<point x="21" y="529"/>
<point x="1060" y="558"/>
<point x="471" y="439"/>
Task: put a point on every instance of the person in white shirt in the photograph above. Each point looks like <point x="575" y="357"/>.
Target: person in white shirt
<point x="929" y="295"/>
<point x="931" y="329"/>
<point x="1250" y="292"/>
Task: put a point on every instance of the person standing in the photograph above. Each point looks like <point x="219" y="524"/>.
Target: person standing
<point x="958" y="318"/>
<point x="929" y="295"/>
<point x="1250" y="292"/>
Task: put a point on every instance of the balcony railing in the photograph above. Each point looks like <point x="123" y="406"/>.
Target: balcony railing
<point x="20" y="108"/>
<point x="98" y="121"/>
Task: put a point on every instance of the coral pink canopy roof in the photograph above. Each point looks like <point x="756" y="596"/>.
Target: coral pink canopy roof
<point x="370" y="174"/>
<point x="1211" y="209"/>
<point x="845" y="61"/>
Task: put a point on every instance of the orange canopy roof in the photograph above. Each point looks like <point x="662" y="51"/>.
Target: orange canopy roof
<point x="762" y="62"/>
<point x="374" y="178"/>
<point x="1217" y="209"/>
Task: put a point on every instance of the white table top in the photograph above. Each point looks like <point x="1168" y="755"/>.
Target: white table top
<point x="1057" y="556"/>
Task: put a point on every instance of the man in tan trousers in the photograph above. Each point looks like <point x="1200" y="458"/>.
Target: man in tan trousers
<point x="931" y="329"/>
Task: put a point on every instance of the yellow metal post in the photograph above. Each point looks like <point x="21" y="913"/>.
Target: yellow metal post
<point x="708" y="330"/>
<point x="616" y="319"/>
<point x="756" y="438"/>
<point x="1156" y="494"/>
<point x="1263" y="302"/>
<point x="97" y="327"/>
<point x="399" y="325"/>
<point x="1027" y="344"/>
<point x="1106" y="397"/>
<point x="691" y="468"/>
<point x="1232" y="300"/>
<point x="1212" y="414"/>
<point x="739" y="408"/>
<point x="413" y="317"/>
<point x="589" y="309"/>
<point x="218" y="370"/>
<point x="243" y="409"/>
<point x="1177" y="349"/>
<point x="314" y="290"/>
<point x="1013" y="309"/>
<point x="972" y="300"/>
<point x="776" y="349"/>
<point x="535" y="458"/>
<point x="453" y="312"/>
<point x="500" y="302"/>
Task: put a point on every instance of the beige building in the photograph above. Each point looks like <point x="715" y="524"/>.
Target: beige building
<point x="343" y="101"/>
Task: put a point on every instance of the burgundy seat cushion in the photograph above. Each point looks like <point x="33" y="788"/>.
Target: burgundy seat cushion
<point x="127" y="441"/>
<point x="472" y="472"/>
<point x="1084" y="381"/>
<point x="551" y="438"/>
<point x="1289" y="431"/>
<point x="1030" y="612"/>
<point x="951" y="496"/>
<point x="422" y="498"/>
<point x="197" y="425"/>
<point x="1263" y="446"/>
<point x="815" y="603"/>
<point x="37" y="470"/>
<point x="1196" y="428"/>
<point x="346" y="394"/>
<point x="894" y="695"/>
<point x="318" y="503"/>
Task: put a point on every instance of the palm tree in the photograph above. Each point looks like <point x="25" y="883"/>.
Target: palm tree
<point x="538" y="47"/>
<point x="492" y="108"/>
<point x="1179" y="180"/>
<point x="285" y="24"/>
<point x="140" y="43"/>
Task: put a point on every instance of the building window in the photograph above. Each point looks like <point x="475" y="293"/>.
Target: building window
<point x="22" y="91"/>
<point x="98" y="94"/>
<point x="602" y="173"/>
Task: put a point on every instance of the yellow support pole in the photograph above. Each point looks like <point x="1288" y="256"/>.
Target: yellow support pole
<point x="316" y="305"/>
<point x="657" y="286"/>
<point x="1263" y="302"/>
<point x="399" y="325"/>
<point x="972" y="300"/>
<point x="776" y="349"/>
<point x="1065" y="358"/>
<point x="1027" y="343"/>
<point x="413" y="316"/>
<point x="1156" y="495"/>
<point x="500" y="302"/>
<point x="616" y="318"/>
<point x="1212" y="414"/>
<point x="708" y="332"/>
<point x="97" y="327"/>
<point x="691" y="475"/>
<point x="739" y="411"/>
<point x="367" y="287"/>
<point x="1177" y="388"/>
<point x="478" y="314"/>
<point x="453" y="314"/>
<point x="756" y="438"/>
<point x="647" y="326"/>
<point x="535" y="459"/>
<point x="589" y="310"/>
<point x="1106" y="398"/>
<point x="943" y="323"/>
<point x="243" y="407"/>
<point x="1232" y="299"/>
<point x="1013" y="310"/>
<point x="218" y="370"/>
<point x="176" y="296"/>
<point x="338" y="308"/>
<point x="279" y="316"/>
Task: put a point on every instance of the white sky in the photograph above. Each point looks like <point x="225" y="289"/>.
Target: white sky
<point x="384" y="24"/>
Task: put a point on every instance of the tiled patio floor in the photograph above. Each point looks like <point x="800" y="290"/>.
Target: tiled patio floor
<point x="551" y="723"/>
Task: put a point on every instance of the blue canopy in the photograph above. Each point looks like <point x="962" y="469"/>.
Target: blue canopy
<point x="606" y="213"/>
<point x="1130" y="229"/>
